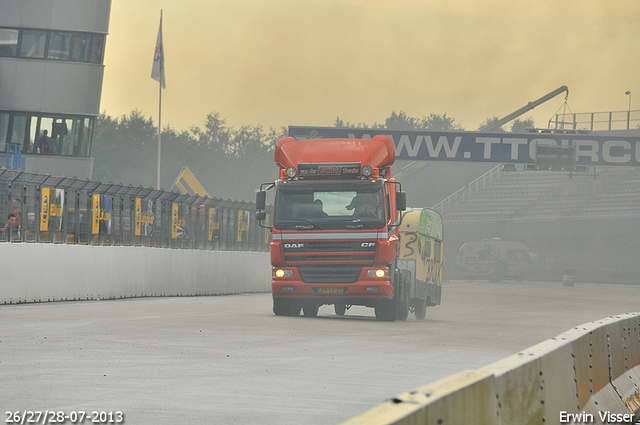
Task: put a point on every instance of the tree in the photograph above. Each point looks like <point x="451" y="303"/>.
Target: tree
<point x="489" y="122"/>
<point x="401" y="121"/>
<point x="521" y="126"/>
<point x="125" y="150"/>
<point x="229" y="163"/>
<point x="440" y="123"/>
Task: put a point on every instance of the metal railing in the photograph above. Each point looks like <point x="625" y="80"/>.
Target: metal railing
<point x="464" y="193"/>
<point x="65" y="210"/>
<point x="597" y="121"/>
<point x="15" y="160"/>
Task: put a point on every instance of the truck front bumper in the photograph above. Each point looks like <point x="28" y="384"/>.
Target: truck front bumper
<point x="340" y="291"/>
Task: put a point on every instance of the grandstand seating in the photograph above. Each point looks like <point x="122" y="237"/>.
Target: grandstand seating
<point x="548" y="195"/>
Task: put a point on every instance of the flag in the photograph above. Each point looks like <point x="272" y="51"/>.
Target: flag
<point x="157" y="73"/>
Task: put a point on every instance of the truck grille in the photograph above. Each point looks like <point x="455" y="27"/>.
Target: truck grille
<point x="363" y="252"/>
<point x="334" y="273"/>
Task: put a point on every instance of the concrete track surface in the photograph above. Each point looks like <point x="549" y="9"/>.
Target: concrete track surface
<point x="229" y="360"/>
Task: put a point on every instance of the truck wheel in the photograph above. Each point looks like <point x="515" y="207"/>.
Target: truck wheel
<point x="310" y="309"/>
<point x="403" y="296"/>
<point x="340" y="309"/>
<point x="387" y="311"/>
<point x="421" y="310"/>
<point x="282" y="307"/>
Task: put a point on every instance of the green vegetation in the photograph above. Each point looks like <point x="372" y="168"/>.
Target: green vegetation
<point x="228" y="162"/>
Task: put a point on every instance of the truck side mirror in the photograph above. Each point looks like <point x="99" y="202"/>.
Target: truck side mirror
<point x="261" y="215"/>
<point x="401" y="201"/>
<point x="261" y="199"/>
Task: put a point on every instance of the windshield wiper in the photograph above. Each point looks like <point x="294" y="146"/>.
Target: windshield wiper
<point x="359" y="223"/>
<point x="313" y="224"/>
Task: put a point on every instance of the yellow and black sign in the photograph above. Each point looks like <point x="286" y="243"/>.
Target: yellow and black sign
<point x="45" y="194"/>
<point x="179" y="217"/>
<point x="243" y="224"/>
<point x="174" y="220"/>
<point x="51" y="208"/>
<point x="188" y="184"/>
<point x="101" y="214"/>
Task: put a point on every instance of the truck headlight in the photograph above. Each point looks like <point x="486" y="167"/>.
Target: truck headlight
<point x="379" y="273"/>
<point x="282" y="273"/>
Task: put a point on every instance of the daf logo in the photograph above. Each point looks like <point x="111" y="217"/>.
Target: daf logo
<point x="367" y="244"/>
<point x="294" y="245"/>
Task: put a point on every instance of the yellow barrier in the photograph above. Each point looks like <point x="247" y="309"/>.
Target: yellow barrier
<point x="519" y="389"/>
<point x="464" y="398"/>
<point x="593" y="369"/>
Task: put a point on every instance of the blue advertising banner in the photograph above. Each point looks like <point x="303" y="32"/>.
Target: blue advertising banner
<point x="590" y="149"/>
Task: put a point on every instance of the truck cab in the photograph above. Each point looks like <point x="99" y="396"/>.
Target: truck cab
<point x="336" y="212"/>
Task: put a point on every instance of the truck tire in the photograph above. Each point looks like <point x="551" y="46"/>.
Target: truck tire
<point x="403" y="295"/>
<point x="310" y="309"/>
<point x="282" y="307"/>
<point x="340" y="309"/>
<point x="387" y="310"/>
<point x="420" y="310"/>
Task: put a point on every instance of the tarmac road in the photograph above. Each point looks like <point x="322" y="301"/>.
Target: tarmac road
<point x="229" y="360"/>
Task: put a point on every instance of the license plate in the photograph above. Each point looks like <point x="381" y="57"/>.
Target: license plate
<point x="330" y="290"/>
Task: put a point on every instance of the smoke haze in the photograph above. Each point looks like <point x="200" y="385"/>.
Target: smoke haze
<point x="282" y="62"/>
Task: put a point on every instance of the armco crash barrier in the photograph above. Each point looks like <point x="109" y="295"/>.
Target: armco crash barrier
<point x="57" y="272"/>
<point x="591" y="369"/>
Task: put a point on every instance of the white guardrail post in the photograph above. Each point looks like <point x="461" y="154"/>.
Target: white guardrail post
<point x="582" y="374"/>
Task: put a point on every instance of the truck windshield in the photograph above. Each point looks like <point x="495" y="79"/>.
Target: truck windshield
<point x="329" y="207"/>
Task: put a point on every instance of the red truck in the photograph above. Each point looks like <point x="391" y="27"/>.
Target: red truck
<point x="336" y="213"/>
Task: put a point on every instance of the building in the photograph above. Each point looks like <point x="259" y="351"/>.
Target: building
<point x="51" y="71"/>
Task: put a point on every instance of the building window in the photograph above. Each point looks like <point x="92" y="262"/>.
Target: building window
<point x="59" y="45"/>
<point x="18" y="131"/>
<point x="4" y="128"/>
<point x="32" y="131"/>
<point x="97" y="48"/>
<point x="87" y="136"/>
<point x="33" y="43"/>
<point x="55" y="45"/>
<point x="65" y="135"/>
<point x="8" y="42"/>
<point x="81" y="47"/>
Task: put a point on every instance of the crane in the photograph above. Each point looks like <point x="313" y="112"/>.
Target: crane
<point x="529" y="106"/>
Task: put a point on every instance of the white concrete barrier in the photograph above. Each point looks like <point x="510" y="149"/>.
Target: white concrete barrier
<point x="587" y="371"/>
<point x="52" y="272"/>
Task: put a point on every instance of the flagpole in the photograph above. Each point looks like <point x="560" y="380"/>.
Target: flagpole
<point x="159" y="121"/>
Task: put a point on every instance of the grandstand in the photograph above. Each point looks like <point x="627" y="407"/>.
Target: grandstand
<point x="588" y="222"/>
<point x="544" y="195"/>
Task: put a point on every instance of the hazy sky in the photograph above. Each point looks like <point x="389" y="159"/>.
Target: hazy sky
<point x="306" y="62"/>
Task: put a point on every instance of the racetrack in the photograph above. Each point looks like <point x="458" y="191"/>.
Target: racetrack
<point x="229" y="360"/>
